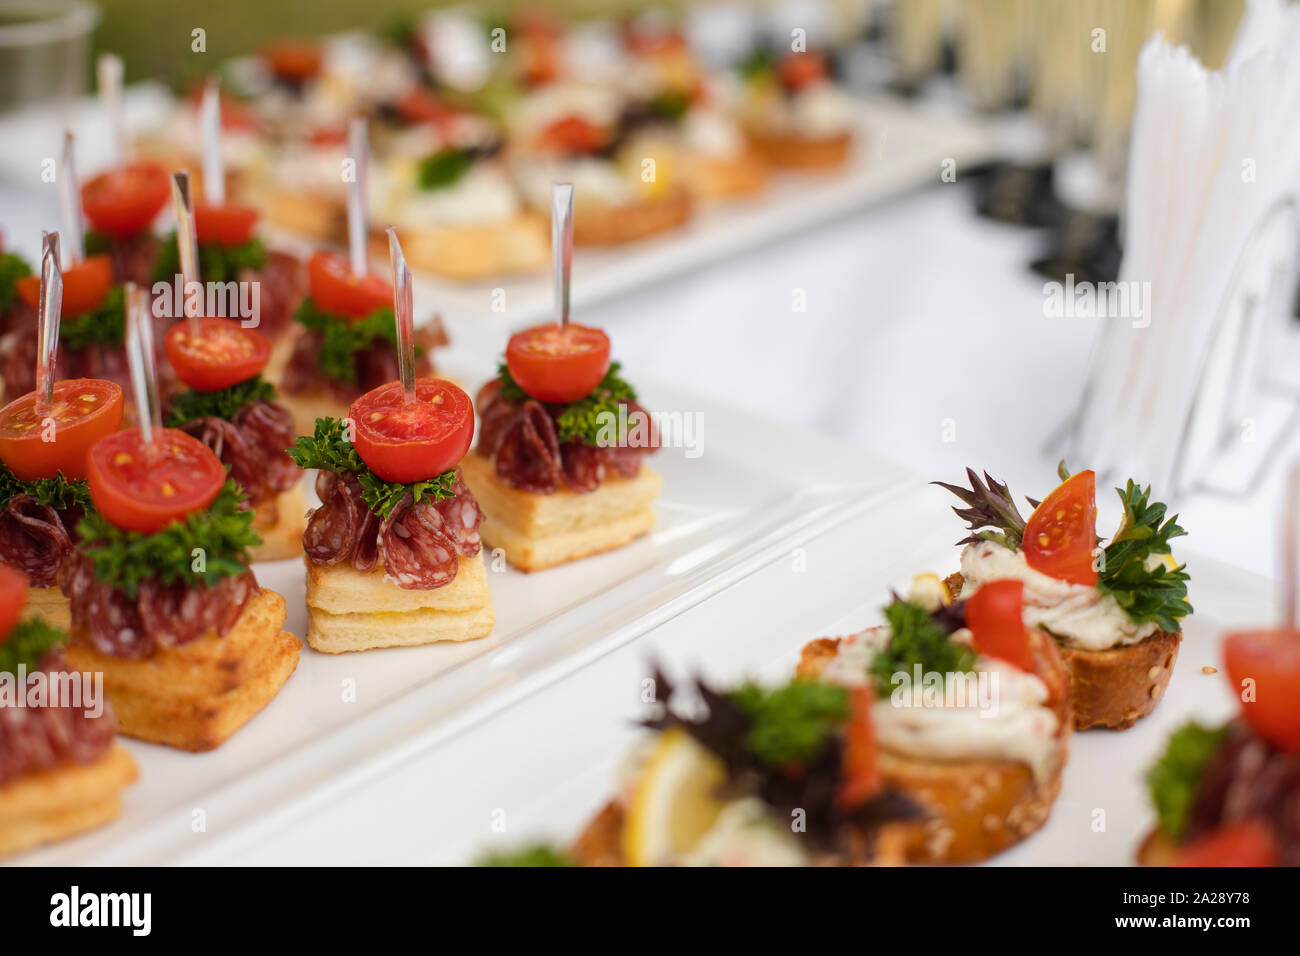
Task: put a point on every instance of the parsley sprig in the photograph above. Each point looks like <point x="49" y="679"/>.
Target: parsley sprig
<point x="59" y="493"/>
<point x="1174" y="779"/>
<point x="12" y="268"/>
<point x="445" y="167"/>
<point x="584" y="418"/>
<point x="1157" y="593"/>
<point x="540" y="854"/>
<point x="342" y="338"/>
<point x="916" y="637"/>
<point x="27" y="644"/>
<point x="221" y="534"/>
<point x="103" y="325"/>
<point x="217" y="263"/>
<point x="792" y="723"/>
<point x="224" y="403"/>
<point x="329" y="450"/>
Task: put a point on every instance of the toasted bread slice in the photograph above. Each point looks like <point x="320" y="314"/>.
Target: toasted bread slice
<point x="794" y="151"/>
<point x="351" y="611"/>
<point x="193" y="697"/>
<point x="541" y="531"/>
<point x="51" y="604"/>
<point x="1116" y="687"/>
<point x="519" y="246"/>
<point x="63" y="801"/>
<point x="318" y="217"/>
<point x="280" y="523"/>
<point x="715" y="178"/>
<point x="605" y="225"/>
<point x="974" y="808"/>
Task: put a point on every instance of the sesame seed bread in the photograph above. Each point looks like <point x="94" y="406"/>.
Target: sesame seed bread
<point x="793" y="151"/>
<point x="605" y="225"/>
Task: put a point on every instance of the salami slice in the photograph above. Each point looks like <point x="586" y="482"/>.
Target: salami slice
<point x="416" y="553"/>
<point x="332" y="528"/>
<point x="33" y="538"/>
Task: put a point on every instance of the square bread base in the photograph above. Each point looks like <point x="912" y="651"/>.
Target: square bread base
<point x="51" y="604"/>
<point x="541" y="531"/>
<point x="350" y="611"/>
<point x="64" y="801"/>
<point x="282" y="539"/>
<point x="193" y="697"/>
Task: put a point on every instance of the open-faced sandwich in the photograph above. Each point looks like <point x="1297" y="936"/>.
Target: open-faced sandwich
<point x="1228" y="796"/>
<point x="393" y="552"/>
<point x="794" y="113"/>
<point x="1114" y="611"/>
<point x="345" y="344"/>
<point x="971" y="715"/>
<point x="164" y="603"/>
<point x="43" y="493"/>
<point x="61" y="770"/>
<point x="558" y="467"/>
<point x="786" y="776"/>
<point x="233" y="410"/>
<point x="626" y="176"/>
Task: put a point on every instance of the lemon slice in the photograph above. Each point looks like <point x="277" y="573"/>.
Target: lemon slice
<point x="675" y="801"/>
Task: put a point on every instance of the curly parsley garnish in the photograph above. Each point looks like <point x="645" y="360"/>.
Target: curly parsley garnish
<point x="198" y="550"/>
<point x="1133" y="570"/>
<point x="445" y="167"/>
<point x="329" y="450"/>
<point x="917" y="638"/>
<point x="224" y="403"/>
<point x="342" y="338"/>
<point x="27" y="644"/>
<point x="217" y="263"/>
<point x="791" y="723"/>
<point x="540" y="854"/>
<point x="59" y="493"/>
<point x="103" y="325"/>
<point x="12" y="268"/>
<point x="586" y="418"/>
<point x="1175" y="778"/>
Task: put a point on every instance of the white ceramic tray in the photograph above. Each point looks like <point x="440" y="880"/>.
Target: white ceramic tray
<point x="756" y="492"/>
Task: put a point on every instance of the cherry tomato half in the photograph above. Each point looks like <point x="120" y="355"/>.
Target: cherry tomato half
<point x="13" y="595"/>
<point x="143" y="488"/>
<point x="1246" y="843"/>
<point x="223" y="353"/>
<point x="85" y="286"/>
<point x="1272" y="660"/>
<point x="995" y="616"/>
<point x="573" y="135"/>
<point x="335" y="289"/>
<point x="125" y="200"/>
<point x="800" y="70"/>
<point x="84" y="411"/>
<point x="860" y="763"/>
<point x="1062" y="532"/>
<point x="406" y="443"/>
<point x="294" y="60"/>
<point x="225" y="225"/>
<point x="558" y="364"/>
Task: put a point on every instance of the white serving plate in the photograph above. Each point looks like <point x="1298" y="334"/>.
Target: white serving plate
<point x="757" y="492"/>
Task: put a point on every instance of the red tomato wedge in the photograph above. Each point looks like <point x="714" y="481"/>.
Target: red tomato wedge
<point x="860" y="766"/>
<point x="1247" y="843"/>
<point x="335" y="289"/>
<point x="406" y="443"/>
<point x="558" y="364"/>
<point x="800" y="70"/>
<point x="142" y="488"/>
<point x="126" y="200"/>
<point x="420" y="105"/>
<point x="225" y="225"/>
<point x="1061" y="534"/>
<point x="85" y="286"/>
<point x="293" y="60"/>
<point x="223" y="353"/>
<point x="994" y="615"/>
<point x="573" y="135"/>
<point x="84" y="411"/>
<point x="13" y="595"/>
<point x="1271" y="659"/>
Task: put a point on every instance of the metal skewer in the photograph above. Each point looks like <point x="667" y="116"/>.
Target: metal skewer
<point x="187" y="242"/>
<point x="358" y="200"/>
<point x="47" y="319"/>
<point x="140" y="357"/>
<point x="562" y="246"/>
<point x="403" y="312"/>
